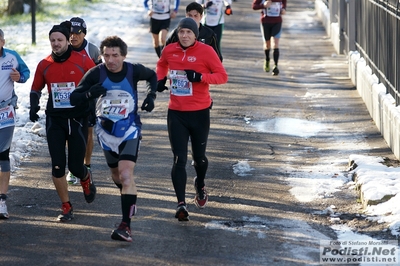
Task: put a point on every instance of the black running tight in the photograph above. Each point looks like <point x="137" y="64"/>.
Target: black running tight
<point x="182" y="127"/>
<point x="73" y="132"/>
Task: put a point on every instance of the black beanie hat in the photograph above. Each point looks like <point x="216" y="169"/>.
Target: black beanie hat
<point x="189" y="23"/>
<point x="78" y="25"/>
<point x="64" y="28"/>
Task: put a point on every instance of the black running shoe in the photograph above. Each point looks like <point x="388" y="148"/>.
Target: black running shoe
<point x="122" y="233"/>
<point x="89" y="189"/>
<point x="66" y="214"/>
<point x="182" y="213"/>
<point x="201" y="198"/>
<point x="275" y="71"/>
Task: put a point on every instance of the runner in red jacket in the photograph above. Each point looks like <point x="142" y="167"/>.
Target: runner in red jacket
<point x="271" y="28"/>
<point x="192" y="66"/>
<point x="61" y="72"/>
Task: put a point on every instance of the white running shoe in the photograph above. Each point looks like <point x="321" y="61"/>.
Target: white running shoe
<point x="3" y="209"/>
<point x="72" y="180"/>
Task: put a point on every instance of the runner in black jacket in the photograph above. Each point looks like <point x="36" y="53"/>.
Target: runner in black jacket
<point x="206" y="35"/>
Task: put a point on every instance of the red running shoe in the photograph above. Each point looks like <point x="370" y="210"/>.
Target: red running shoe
<point x="201" y="197"/>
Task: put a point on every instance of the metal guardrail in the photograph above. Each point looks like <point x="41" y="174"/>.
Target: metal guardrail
<point x="371" y="27"/>
<point x="378" y="38"/>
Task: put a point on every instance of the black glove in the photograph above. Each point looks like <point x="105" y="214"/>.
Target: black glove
<point x="96" y="91"/>
<point x="209" y="3"/>
<point x="148" y="103"/>
<point x="161" y="85"/>
<point x="193" y="76"/>
<point x="228" y="10"/>
<point x="34" y="101"/>
<point x="33" y="116"/>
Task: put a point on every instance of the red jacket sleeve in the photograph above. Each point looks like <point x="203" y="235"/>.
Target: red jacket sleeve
<point x="218" y="73"/>
<point x="39" y="82"/>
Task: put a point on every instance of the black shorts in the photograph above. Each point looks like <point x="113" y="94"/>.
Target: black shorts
<point x="157" y="25"/>
<point x="270" y="30"/>
<point x="128" y="150"/>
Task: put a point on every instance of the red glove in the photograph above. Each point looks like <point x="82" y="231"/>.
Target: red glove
<point x="228" y="10"/>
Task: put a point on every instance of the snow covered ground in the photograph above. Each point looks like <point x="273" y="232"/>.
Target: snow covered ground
<point x="128" y="16"/>
<point x="329" y="176"/>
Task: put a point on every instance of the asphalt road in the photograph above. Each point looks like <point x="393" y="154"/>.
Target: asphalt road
<point x="251" y="219"/>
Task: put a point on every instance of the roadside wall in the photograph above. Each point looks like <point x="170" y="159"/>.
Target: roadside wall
<point x="381" y="105"/>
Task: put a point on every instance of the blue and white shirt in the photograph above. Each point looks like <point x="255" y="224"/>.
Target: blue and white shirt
<point x="214" y="14"/>
<point x="9" y="60"/>
<point x="161" y="8"/>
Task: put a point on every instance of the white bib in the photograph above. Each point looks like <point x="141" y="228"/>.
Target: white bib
<point x="180" y="85"/>
<point x="115" y="109"/>
<point x="7" y="116"/>
<point x="61" y="93"/>
<point x="274" y="10"/>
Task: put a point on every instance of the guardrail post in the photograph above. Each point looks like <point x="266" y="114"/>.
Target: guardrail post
<point x="351" y="25"/>
<point x="342" y="18"/>
<point x="332" y="10"/>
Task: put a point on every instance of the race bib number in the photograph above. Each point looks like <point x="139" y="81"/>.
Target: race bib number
<point x="61" y="93"/>
<point x="274" y="10"/>
<point x="115" y="109"/>
<point x="214" y="13"/>
<point x="212" y="10"/>
<point x="7" y="117"/>
<point x="160" y="6"/>
<point x="180" y="85"/>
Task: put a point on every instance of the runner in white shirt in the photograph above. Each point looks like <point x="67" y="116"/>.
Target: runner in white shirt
<point x="214" y="16"/>
<point x="13" y="69"/>
<point x="160" y="14"/>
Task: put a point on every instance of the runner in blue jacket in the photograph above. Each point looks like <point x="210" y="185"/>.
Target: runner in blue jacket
<point x="118" y="125"/>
